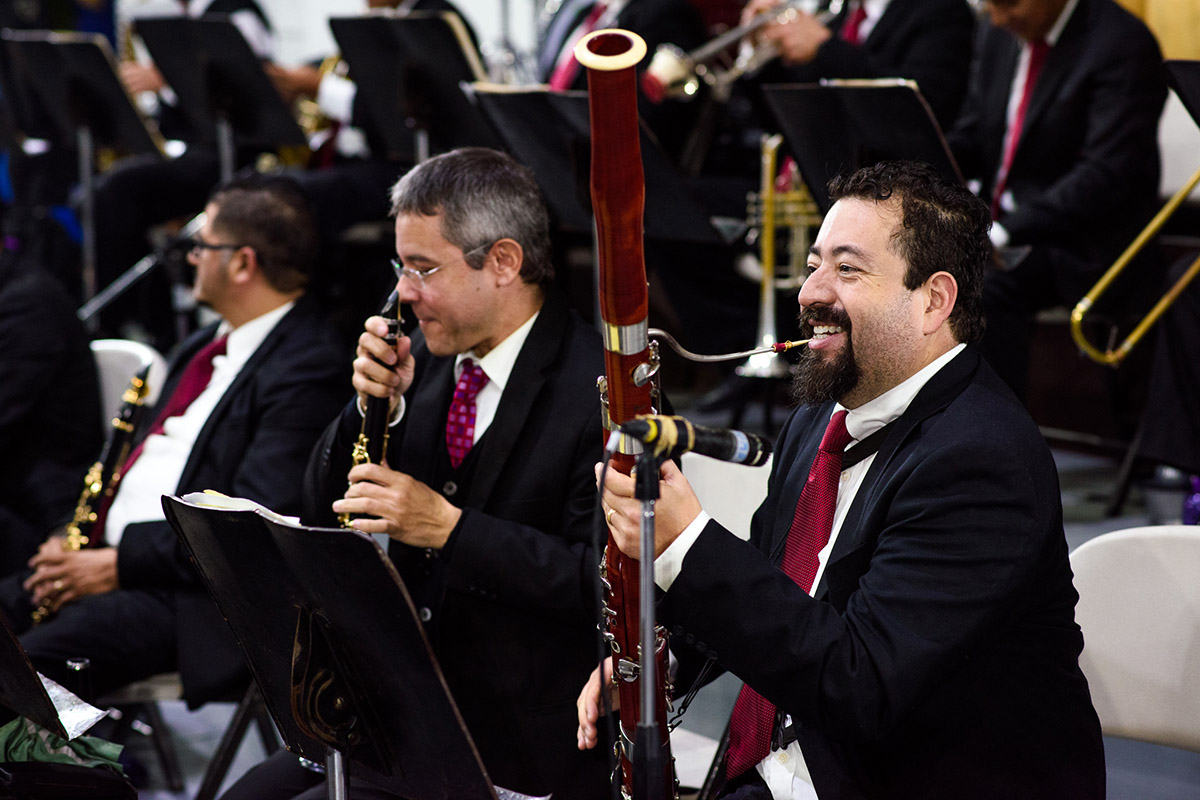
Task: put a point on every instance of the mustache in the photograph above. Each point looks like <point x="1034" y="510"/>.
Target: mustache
<point x="823" y="315"/>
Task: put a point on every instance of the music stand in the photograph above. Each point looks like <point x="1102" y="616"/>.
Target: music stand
<point x="72" y="95"/>
<point x="409" y="69"/>
<point x="549" y="132"/>
<point x="223" y="91"/>
<point x="1184" y="78"/>
<point x="37" y="698"/>
<point x="332" y="638"/>
<point x="837" y="126"/>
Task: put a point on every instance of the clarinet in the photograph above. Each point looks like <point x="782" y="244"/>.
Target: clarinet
<point x="630" y="363"/>
<point x="101" y="480"/>
<point x="372" y="442"/>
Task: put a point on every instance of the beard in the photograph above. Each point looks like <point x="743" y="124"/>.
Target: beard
<point x="818" y="380"/>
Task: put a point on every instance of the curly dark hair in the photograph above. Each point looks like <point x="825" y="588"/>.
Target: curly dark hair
<point x="943" y="227"/>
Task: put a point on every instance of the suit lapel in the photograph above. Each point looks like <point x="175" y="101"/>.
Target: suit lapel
<point x="1065" y="53"/>
<point x="525" y="383"/>
<point x="942" y="388"/>
<point x="793" y="482"/>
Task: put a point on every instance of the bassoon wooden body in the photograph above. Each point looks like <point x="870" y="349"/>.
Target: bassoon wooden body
<point x="618" y="199"/>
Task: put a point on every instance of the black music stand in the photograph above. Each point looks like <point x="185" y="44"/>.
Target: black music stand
<point x="223" y="91"/>
<point x="332" y="638"/>
<point x="71" y="95"/>
<point x="549" y="132"/>
<point x="837" y="126"/>
<point x="1184" y="78"/>
<point x="409" y="68"/>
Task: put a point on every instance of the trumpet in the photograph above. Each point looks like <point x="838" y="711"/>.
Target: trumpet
<point x="676" y="74"/>
<point x="1114" y="356"/>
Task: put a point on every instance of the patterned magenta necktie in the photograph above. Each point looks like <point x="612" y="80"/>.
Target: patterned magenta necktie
<point x="753" y="715"/>
<point x="193" y="382"/>
<point x="853" y="25"/>
<point x="1037" y="57"/>
<point x="460" y="423"/>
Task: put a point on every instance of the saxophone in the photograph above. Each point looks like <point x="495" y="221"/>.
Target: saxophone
<point x="101" y="480"/>
<point x="630" y="365"/>
<point x="372" y="442"/>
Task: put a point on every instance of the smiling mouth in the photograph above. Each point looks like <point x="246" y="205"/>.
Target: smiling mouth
<point x="823" y="331"/>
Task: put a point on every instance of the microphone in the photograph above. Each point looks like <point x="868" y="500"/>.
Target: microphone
<point x="670" y="437"/>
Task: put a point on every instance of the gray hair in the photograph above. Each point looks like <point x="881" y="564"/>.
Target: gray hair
<point x="484" y="196"/>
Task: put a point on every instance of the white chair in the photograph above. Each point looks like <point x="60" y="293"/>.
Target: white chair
<point x="117" y="361"/>
<point x="1139" y="608"/>
<point x="730" y="493"/>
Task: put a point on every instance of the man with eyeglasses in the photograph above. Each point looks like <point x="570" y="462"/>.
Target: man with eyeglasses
<point x="488" y="500"/>
<point x="239" y="412"/>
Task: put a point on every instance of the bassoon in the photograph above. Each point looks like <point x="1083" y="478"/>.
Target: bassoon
<point x="618" y="199"/>
<point x="101" y="480"/>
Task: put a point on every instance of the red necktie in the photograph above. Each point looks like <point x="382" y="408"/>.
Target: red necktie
<point x="564" y="74"/>
<point x="192" y="383"/>
<point x="753" y="715"/>
<point x="853" y="24"/>
<point x="1037" y="57"/>
<point x="460" y="423"/>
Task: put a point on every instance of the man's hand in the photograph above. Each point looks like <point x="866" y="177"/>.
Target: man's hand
<point x="403" y="507"/>
<point x="60" y="576"/>
<point x="673" y="511"/>
<point x="294" y="82"/>
<point x="140" y="78"/>
<point x="588" y="704"/>
<point x="381" y="370"/>
<point x="797" y="37"/>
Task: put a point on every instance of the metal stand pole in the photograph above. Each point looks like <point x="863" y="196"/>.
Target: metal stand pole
<point x="647" y="757"/>
<point x="87" y="159"/>
<point x="335" y="775"/>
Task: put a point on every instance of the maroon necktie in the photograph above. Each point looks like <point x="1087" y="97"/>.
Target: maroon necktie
<point x="753" y="715"/>
<point x="1037" y="57"/>
<point x="853" y="24"/>
<point x="460" y="423"/>
<point x="194" y="380"/>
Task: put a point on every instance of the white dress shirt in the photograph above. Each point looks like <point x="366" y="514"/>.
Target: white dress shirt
<point x="784" y="771"/>
<point x="164" y="455"/>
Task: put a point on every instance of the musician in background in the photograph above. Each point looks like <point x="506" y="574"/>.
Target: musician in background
<point x="241" y="408"/>
<point x="50" y="425"/>
<point x="1059" y="135"/>
<point x="927" y="41"/>
<point x="488" y="492"/>
<point x="904" y="604"/>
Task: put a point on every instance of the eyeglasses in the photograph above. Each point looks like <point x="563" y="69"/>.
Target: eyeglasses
<point x="196" y="243"/>
<point x="422" y="275"/>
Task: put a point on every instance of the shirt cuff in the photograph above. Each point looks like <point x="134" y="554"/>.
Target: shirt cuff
<point x="668" y="565"/>
<point x="999" y="235"/>
<point x="335" y="97"/>
<point x="399" y="415"/>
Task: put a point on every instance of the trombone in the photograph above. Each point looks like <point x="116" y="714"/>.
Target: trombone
<point x="1113" y="356"/>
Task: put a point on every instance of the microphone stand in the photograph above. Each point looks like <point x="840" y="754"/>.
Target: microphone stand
<point x="648" y="763"/>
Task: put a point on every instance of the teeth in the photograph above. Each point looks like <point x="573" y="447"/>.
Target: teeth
<point x="821" y="331"/>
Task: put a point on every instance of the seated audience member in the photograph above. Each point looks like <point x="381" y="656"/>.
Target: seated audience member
<point x="903" y="614"/>
<point x="1060" y="135"/>
<point x="240" y="410"/>
<point x="50" y="425"/>
<point x="488" y="495"/>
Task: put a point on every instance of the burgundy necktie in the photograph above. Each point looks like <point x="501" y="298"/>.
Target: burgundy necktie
<point x="460" y="423"/>
<point x="1037" y="57"/>
<point x="853" y="24"/>
<point x="564" y="74"/>
<point x="192" y="383"/>
<point x="754" y="716"/>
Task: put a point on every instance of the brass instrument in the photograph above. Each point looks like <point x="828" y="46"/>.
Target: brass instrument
<point x="1113" y="357"/>
<point x="769" y="210"/>
<point x="101" y="481"/>
<point x="372" y="442"/>
<point x="676" y="74"/>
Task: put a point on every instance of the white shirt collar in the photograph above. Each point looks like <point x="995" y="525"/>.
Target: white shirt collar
<point x="499" y="362"/>
<point x="872" y="415"/>
<point x="246" y="338"/>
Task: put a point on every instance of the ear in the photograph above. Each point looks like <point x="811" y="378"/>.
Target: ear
<point x="941" y="293"/>
<point x="505" y="259"/>
<point x="243" y="266"/>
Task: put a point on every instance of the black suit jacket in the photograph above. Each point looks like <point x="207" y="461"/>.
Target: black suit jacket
<point x="509" y="601"/>
<point x="928" y="41"/>
<point x="254" y="445"/>
<point x="1085" y="173"/>
<point x="939" y="657"/>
